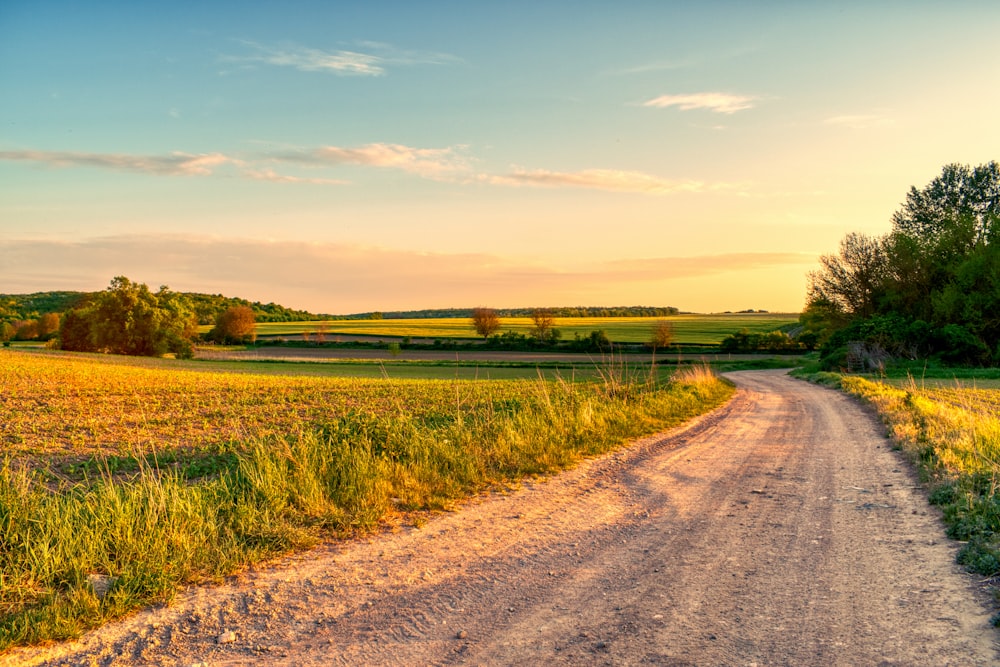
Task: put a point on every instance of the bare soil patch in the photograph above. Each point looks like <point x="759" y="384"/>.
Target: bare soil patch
<point x="781" y="529"/>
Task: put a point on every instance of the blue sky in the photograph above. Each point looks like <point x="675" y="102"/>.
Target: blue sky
<point x="343" y="157"/>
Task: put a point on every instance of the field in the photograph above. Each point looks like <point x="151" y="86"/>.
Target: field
<point x="688" y="329"/>
<point x="125" y="479"/>
<point x="952" y="431"/>
<point x="72" y="405"/>
<point x="77" y="405"/>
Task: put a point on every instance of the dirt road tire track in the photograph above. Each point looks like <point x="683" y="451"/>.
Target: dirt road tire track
<point x="779" y="530"/>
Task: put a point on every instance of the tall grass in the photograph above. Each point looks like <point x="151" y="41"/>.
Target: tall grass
<point x="954" y="436"/>
<point x="76" y="555"/>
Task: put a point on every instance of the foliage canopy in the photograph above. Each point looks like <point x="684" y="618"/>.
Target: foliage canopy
<point x="127" y="318"/>
<point x="235" y="325"/>
<point x="930" y="287"/>
<point x="485" y="321"/>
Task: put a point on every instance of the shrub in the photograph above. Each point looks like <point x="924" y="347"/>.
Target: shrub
<point x="236" y="325"/>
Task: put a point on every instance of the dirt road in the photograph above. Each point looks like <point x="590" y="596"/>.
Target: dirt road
<point x="780" y="530"/>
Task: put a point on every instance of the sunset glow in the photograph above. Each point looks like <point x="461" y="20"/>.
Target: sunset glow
<point x="343" y="157"/>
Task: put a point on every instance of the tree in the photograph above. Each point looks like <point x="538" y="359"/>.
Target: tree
<point x="955" y="213"/>
<point x="855" y="279"/>
<point x="235" y="325"/>
<point x="6" y="331"/>
<point x="127" y="318"/>
<point x="75" y="330"/>
<point x="598" y="341"/>
<point x="544" y="322"/>
<point x="48" y="326"/>
<point x="662" y="335"/>
<point x="322" y="329"/>
<point x="820" y="318"/>
<point x="485" y="321"/>
<point x="26" y="330"/>
<point x="938" y="270"/>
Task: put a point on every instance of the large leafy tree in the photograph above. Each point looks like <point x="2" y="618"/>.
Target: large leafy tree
<point x="485" y="321"/>
<point x="854" y="280"/>
<point x="955" y="213"/>
<point x="236" y="325"/>
<point x="544" y="330"/>
<point x="936" y="275"/>
<point x="127" y="318"/>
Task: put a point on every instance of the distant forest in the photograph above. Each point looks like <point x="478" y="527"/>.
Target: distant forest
<point x="564" y="311"/>
<point x="22" y="307"/>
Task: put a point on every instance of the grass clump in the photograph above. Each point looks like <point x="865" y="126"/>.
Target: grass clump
<point x="79" y="552"/>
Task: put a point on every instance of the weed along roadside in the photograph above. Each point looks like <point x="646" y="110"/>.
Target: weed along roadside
<point x="111" y="504"/>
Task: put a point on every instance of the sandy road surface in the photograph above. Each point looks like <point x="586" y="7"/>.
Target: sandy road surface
<point x="779" y="530"/>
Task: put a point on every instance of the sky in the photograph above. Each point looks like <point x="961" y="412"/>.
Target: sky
<point x="344" y="157"/>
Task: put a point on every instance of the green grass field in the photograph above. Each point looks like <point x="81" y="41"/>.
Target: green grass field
<point x="147" y="476"/>
<point x="688" y="329"/>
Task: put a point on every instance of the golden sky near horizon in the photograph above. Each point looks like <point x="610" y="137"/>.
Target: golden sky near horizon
<point x="394" y="156"/>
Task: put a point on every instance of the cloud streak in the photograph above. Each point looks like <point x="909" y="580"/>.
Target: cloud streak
<point x="341" y="278"/>
<point x="373" y="62"/>
<point x="860" y="121"/>
<point x="173" y="164"/>
<point x="435" y="163"/>
<point x="271" y="176"/>
<point x="427" y="162"/>
<point x="343" y="63"/>
<point x="603" y="179"/>
<point x="718" y="102"/>
<point x="449" y="164"/>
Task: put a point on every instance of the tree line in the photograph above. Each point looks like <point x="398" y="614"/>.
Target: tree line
<point x="25" y="312"/>
<point x="930" y="288"/>
<point x="129" y="318"/>
<point x="557" y="311"/>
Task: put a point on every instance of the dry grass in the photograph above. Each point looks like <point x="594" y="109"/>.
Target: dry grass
<point x="311" y="458"/>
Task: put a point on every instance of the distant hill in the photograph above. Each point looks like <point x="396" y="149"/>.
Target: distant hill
<point x="18" y="307"/>
<point x="562" y="311"/>
<point x="208" y="306"/>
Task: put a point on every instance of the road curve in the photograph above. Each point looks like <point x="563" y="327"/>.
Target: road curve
<point x="779" y="530"/>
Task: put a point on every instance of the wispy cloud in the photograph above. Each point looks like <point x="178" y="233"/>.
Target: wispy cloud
<point x="717" y="102"/>
<point x="450" y="164"/>
<point x="271" y="176"/>
<point x="341" y="278"/>
<point x="312" y="60"/>
<point x="860" y="121"/>
<point x="603" y="179"/>
<point x="393" y="55"/>
<point x="172" y="164"/>
<point x="372" y="61"/>
<point x="427" y="162"/>
<point x="436" y="163"/>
